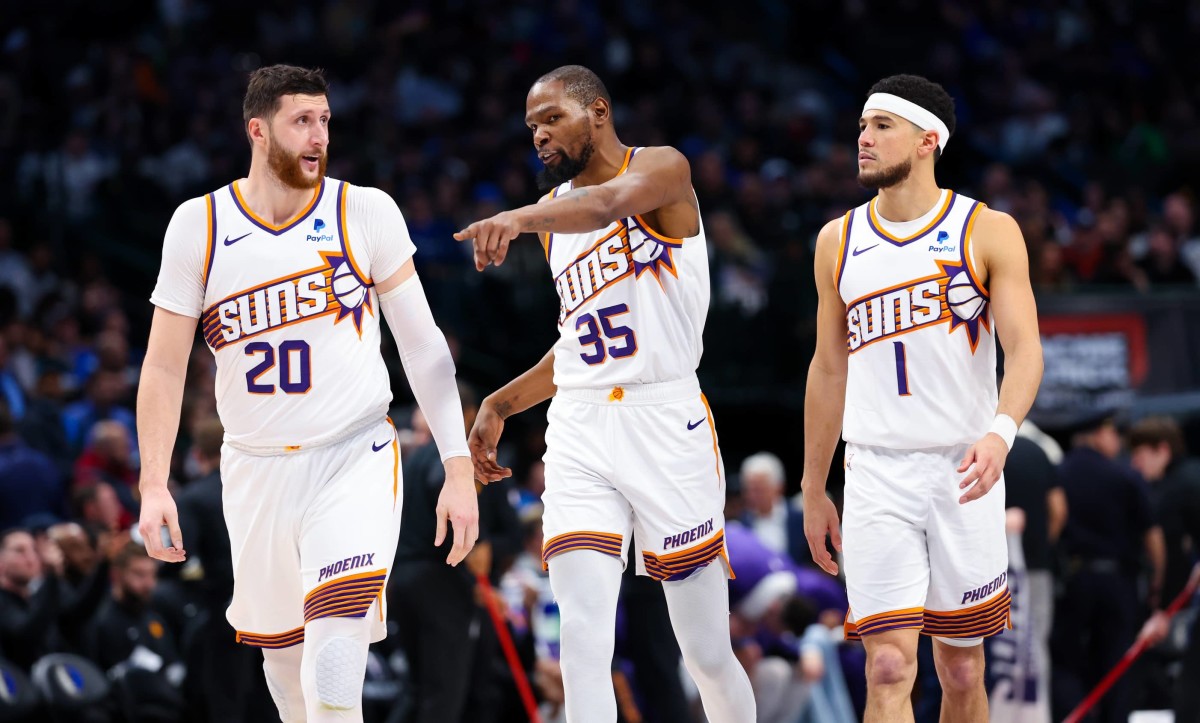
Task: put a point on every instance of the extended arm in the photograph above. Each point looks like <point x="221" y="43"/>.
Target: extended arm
<point x="824" y="400"/>
<point x="657" y="179"/>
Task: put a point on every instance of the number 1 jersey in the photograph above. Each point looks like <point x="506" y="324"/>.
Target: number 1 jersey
<point x="289" y="311"/>
<point x="922" y="366"/>
<point x="633" y="303"/>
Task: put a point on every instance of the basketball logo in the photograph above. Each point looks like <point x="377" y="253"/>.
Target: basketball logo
<point x="646" y="251"/>
<point x="963" y="298"/>
<point x="346" y="288"/>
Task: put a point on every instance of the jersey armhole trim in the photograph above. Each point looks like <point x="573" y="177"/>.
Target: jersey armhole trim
<point x="210" y="248"/>
<point x="548" y="236"/>
<point x="965" y="245"/>
<point x="345" y="238"/>
<point x="847" y="221"/>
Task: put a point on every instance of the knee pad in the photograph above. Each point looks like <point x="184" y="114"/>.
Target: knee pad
<point x="339" y="672"/>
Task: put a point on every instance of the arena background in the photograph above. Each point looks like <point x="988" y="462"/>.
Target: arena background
<point x="1079" y="119"/>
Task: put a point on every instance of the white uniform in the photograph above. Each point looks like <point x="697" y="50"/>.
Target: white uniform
<point x="631" y="443"/>
<point x="920" y="389"/>
<point x="310" y="465"/>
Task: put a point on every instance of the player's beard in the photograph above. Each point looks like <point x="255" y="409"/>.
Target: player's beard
<point x="286" y="167"/>
<point x="566" y="168"/>
<point x="885" y="177"/>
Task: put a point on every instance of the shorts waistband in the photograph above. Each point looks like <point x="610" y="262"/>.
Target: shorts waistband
<point x="636" y="394"/>
<point x="338" y="436"/>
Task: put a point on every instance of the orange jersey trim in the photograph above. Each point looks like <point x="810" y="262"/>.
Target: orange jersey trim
<point x="879" y="229"/>
<point x="241" y="201"/>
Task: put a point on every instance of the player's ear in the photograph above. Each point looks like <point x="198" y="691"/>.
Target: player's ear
<point x="928" y="142"/>
<point x="256" y="129"/>
<point x="601" y="111"/>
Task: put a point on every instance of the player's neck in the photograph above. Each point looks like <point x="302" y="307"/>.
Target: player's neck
<point x="270" y="199"/>
<point x="909" y="199"/>
<point x="605" y="164"/>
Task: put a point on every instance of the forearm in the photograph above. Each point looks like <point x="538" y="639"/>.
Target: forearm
<point x="428" y="365"/>
<point x="160" y="396"/>
<point x="577" y="211"/>
<point x="1022" y="375"/>
<point x="824" y="403"/>
<point x="531" y="388"/>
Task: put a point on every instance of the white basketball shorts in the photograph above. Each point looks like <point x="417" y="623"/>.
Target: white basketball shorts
<point x="638" y="458"/>
<point x="917" y="558"/>
<point x="313" y="534"/>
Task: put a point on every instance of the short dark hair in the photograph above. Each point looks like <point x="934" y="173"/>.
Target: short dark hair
<point x="267" y="85"/>
<point x="1153" y="431"/>
<point x="581" y="84"/>
<point x="129" y="552"/>
<point x="924" y="92"/>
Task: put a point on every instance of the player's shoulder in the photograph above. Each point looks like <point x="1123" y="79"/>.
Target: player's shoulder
<point x="990" y="221"/>
<point x="659" y="155"/>
<point x="831" y="232"/>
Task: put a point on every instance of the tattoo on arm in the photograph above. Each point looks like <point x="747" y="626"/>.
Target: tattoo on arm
<point x="504" y="409"/>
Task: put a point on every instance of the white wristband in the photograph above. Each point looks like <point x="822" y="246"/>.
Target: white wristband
<point x="1004" y="426"/>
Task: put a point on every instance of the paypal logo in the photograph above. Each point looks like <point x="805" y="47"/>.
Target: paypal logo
<point x="319" y="238"/>
<point x="943" y="243"/>
<point x="318" y="224"/>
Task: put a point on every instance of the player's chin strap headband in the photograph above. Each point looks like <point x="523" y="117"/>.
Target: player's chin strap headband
<point x="909" y="111"/>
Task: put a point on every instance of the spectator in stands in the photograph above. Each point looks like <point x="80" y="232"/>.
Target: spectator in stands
<point x="42" y="426"/>
<point x="1157" y="452"/>
<point x="774" y="519"/>
<point x="29" y="482"/>
<point x="108" y="458"/>
<point x="1109" y="526"/>
<point x="1163" y="263"/>
<point x="37" y="618"/>
<point x="12" y="395"/>
<point x="81" y="559"/>
<point x="105" y="392"/>
<point x="98" y="508"/>
<point x="125" y="623"/>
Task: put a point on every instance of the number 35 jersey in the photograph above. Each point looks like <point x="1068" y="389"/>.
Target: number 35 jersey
<point x="922" y="366"/>
<point x="633" y="303"/>
<point x="289" y="311"/>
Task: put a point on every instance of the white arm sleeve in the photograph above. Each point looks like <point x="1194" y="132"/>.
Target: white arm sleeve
<point x="180" y="286"/>
<point x="427" y="364"/>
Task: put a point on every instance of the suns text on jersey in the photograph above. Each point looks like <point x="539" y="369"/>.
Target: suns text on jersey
<point x="606" y="262"/>
<point x="896" y="310"/>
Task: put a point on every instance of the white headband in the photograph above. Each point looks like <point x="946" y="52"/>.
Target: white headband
<point x="909" y="111"/>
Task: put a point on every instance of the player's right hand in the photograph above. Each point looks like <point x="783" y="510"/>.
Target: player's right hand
<point x="158" y="509"/>
<point x="483" y="440"/>
<point x="820" y="519"/>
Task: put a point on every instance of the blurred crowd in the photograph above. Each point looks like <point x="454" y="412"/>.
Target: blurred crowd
<point x="1080" y="120"/>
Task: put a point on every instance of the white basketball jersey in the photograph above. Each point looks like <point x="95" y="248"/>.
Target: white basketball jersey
<point x="634" y="303"/>
<point x="290" y="311"/>
<point x="922" y="366"/>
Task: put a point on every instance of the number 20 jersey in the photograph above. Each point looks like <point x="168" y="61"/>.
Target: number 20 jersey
<point x="289" y="311"/>
<point x="922" y="354"/>
<point x="633" y="303"/>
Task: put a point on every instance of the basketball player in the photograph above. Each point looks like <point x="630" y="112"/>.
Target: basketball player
<point x="289" y="272"/>
<point x="631" y="444"/>
<point x="913" y="288"/>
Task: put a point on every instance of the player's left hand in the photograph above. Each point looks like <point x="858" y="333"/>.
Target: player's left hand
<point x="458" y="506"/>
<point x="985" y="459"/>
<point x="492" y="236"/>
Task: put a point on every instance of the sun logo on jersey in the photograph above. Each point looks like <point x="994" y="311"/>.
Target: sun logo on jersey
<point x="966" y="300"/>
<point x="650" y="252"/>
<point x="331" y="289"/>
<point x="952" y="296"/>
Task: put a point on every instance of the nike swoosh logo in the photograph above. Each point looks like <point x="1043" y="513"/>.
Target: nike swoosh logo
<point x="856" y="252"/>
<point x="693" y="425"/>
<point x="232" y="241"/>
<point x="377" y="447"/>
